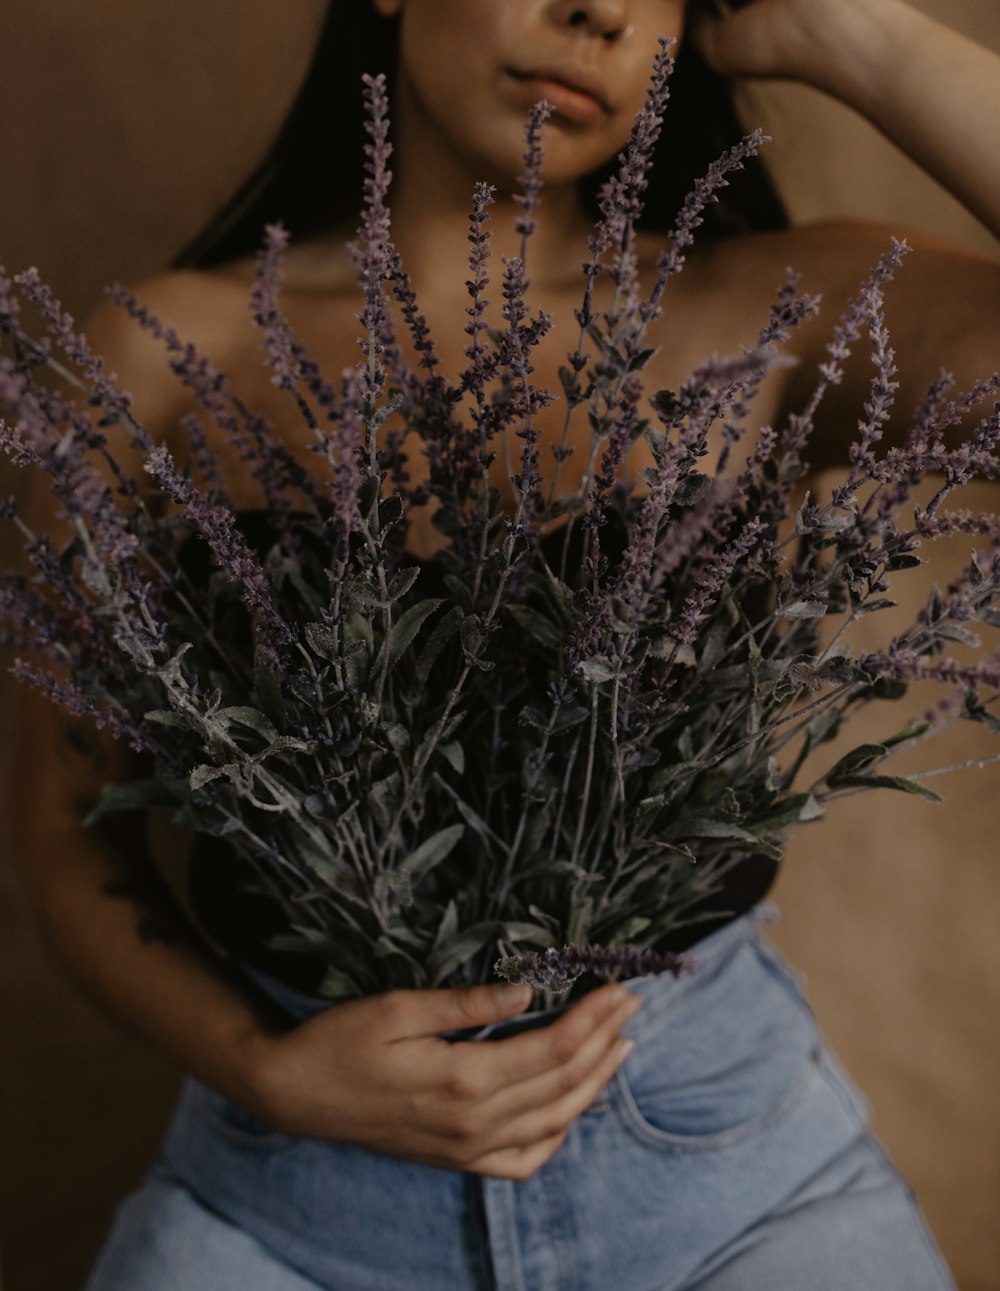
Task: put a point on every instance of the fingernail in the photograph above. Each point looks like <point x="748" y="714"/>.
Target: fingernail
<point x="624" y="1049"/>
<point x="509" y="996"/>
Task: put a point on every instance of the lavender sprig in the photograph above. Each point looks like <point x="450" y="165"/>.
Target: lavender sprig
<point x="557" y="970"/>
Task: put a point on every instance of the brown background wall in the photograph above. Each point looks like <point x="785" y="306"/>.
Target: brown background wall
<point x="122" y="127"/>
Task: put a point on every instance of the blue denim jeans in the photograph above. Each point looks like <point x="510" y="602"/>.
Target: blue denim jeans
<point x="729" y="1152"/>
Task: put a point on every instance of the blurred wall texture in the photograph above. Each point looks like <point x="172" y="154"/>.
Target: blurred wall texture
<point x="123" y="128"/>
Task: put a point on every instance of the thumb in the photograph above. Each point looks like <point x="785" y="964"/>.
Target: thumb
<point x="455" y="1008"/>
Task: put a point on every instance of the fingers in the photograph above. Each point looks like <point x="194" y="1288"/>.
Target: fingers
<point x="522" y="1096"/>
<point x="543" y="1106"/>
<point x="531" y="1141"/>
<point x="518" y="1163"/>
<point x="504" y="1106"/>
<point x="556" y="1116"/>
<point x="499" y="1064"/>
<point x="405" y="1014"/>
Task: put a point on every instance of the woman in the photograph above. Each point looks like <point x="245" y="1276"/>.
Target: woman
<point x="367" y="1147"/>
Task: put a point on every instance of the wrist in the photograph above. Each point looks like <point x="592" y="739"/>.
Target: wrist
<point x="255" y="1071"/>
<point x="849" y="51"/>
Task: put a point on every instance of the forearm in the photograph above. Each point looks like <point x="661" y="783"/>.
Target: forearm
<point x="166" y="991"/>
<point x="932" y="91"/>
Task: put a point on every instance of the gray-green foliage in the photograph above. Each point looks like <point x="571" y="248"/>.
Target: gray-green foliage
<point x="540" y="737"/>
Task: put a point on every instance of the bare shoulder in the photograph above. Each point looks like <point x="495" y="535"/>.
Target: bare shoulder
<point x="835" y="256"/>
<point x="941" y="290"/>
<point x="831" y="255"/>
<point x="206" y="309"/>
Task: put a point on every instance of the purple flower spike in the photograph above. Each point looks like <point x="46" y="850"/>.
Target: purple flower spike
<point x="229" y="549"/>
<point x="531" y="180"/>
<point x="557" y="970"/>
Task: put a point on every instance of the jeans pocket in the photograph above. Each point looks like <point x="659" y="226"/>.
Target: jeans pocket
<point x="735" y="1057"/>
<point x="234" y="1122"/>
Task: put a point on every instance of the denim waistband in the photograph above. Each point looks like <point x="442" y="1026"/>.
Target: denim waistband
<point x="300" y="1005"/>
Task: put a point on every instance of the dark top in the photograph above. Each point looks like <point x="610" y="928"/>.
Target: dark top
<point x="240" y="920"/>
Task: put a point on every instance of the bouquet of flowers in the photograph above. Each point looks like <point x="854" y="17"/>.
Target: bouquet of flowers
<point x="538" y="751"/>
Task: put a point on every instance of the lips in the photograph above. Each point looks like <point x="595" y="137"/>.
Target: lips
<point x="577" y="82"/>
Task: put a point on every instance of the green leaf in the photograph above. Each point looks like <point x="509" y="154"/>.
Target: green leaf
<point x="328" y="865"/>
<point x="707" y="827"/>
<point x="570" y="382"/>
<point x="443" y="630"/>
<point x="358" y="594"/>
<point x="562" y="595"/>
<point x="458" y="950"/>
<point x="864" y="755"/>
<point x="383" y="798"/>
<point x="629" y="930"/>
<point x="473" y="638"/>
<point x="912" y="732"/>
<point x="581" y="918"/>
<point x="529" y="932"/>
<point x="284" y="744"/>
<point x="397" y="735"/>
<point x="385" y="946"/>
<point x="536" y="625"/>
<point x="136" y="795"/>
<point x="804" y="609"/>
<point x="357" y="631"/>
<point x="253" y="718"/>
<point x="904" y="562"/>
<point x="403" y="631"/>
<point x="337" y="985"/>
<point x="401" y="886"/>
<point x="402" y="581"/>
<point x="953" y="632"/>
<point x="201" y="775"/>
<point x="447" y="927"/>
<point x="432" y="851"/>
<point x="471" y="818"/>
<point x="888" y="782"/>
<point x="596" y="669"/>
<point x="455" y="754"/>
<point x="321" y="640"/>
<point x="390" y="511"/>
<point x="984" y="717"/>
<point x="795" y="810"/>
<point x="567" y="718"/>
<point x="167" y="717"/>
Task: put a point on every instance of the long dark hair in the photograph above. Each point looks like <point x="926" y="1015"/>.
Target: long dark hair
<point x="310" y="178"/>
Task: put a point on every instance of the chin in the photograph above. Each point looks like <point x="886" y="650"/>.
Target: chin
<point x="566" y="158"/>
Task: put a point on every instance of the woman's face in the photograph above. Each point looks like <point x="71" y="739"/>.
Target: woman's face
<point x="470" y="70"/>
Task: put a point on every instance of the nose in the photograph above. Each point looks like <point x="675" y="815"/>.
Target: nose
<point x="607" y="19"/>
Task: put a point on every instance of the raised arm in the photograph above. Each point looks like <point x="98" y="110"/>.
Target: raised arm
<point x="932" y="91"/>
